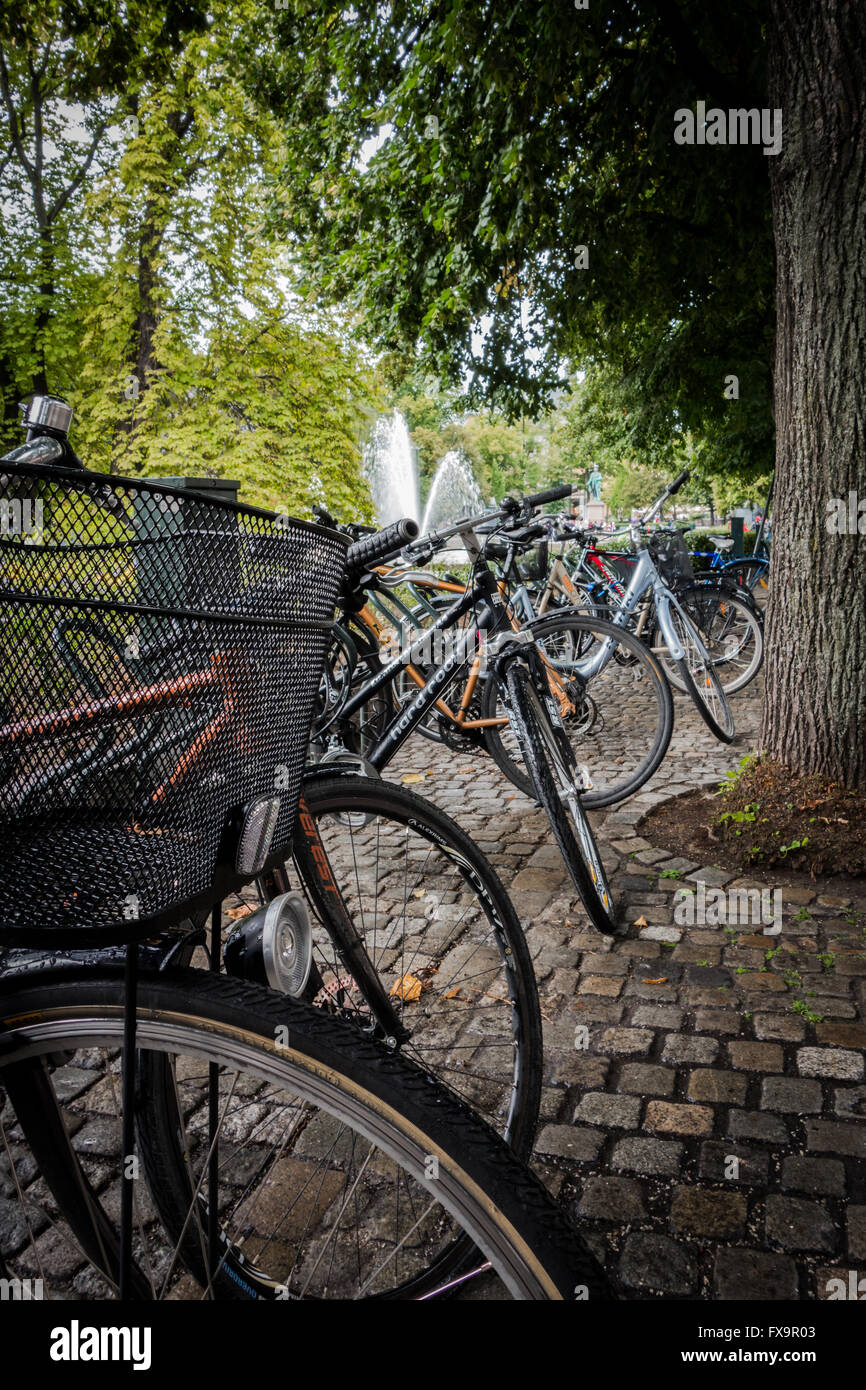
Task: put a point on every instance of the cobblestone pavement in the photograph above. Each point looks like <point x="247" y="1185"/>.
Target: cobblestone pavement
<point x="704" y="1106"/>
<point x="701" y="1049"/>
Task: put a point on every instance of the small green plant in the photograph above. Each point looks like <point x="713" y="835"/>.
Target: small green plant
<point x="770" y="955"/>
<point x="802" y="1008"/>
<point x="671" y="873"/>
<point x="795" y="844"/>
<point x="804" y="915"/>
<point x="793" y="979"/>
<point x="827" y="959"/>
<point x="739" y="817"/>
<point x="733" y="776"/>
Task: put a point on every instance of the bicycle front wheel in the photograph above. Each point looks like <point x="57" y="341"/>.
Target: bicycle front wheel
<point x="729" y="630"/>
<point x="440" y="933"/>
<point x="335" y="1169"/>
<point x="699" y="678"/>
<point x="618" y="719"/>
<point x="555" y="777"/>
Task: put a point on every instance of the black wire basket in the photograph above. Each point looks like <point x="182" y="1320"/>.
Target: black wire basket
<point x="161" y="655"/>
<point x="672" y="559"/>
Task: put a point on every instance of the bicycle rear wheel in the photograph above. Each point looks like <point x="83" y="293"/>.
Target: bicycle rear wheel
<point x="555" y="776"/>
<point x="342" y="1171"/>
<point x="753" y="574"/>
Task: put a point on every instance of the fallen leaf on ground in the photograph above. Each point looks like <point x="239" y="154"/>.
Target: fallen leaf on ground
<point x="411" y="777"/>
<point x="408" y="987"/>
<point x="640" y="922"/>
<point x="662" y="980"/>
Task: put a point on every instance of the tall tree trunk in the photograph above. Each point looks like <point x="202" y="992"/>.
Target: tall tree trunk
<point x="45" y="312"/>
<point x="815" y="712"/>
<point x="149" y="242"/>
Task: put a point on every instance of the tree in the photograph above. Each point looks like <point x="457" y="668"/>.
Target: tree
<point x="527" y="179"/>
<point x="141" y="276"/>
<point x="527" y="182"/>
<point x="65" y="67"/>
<point x="815" y="710"/>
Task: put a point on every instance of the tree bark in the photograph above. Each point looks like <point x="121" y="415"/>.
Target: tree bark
<point x="815" y="711"/>
<point x="149" y="243"/>
<point x="155" y="219"/>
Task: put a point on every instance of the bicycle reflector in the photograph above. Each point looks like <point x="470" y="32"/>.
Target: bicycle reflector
<point x="273" y="946"/>
<point x="258" y="823"/>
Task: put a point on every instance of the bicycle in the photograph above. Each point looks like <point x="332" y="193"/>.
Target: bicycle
<point x="522" y="680"/>
<point x="245" y="1102"/>
<point x="393" y="983"/>
<point x="653" y="600"/>
<point x="617" y="716"/>
<point x="724" y="614"/>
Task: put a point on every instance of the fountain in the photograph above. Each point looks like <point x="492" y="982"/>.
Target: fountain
<point x="453" y="493"/>
<point x="390" y="469"/>
<point x="389" y="465"/>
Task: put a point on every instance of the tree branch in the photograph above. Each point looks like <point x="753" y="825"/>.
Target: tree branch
<point x="63" y="198"/>
<point x="13" y="118"/>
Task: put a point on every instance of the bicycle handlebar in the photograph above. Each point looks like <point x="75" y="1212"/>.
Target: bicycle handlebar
<point x="434" y="540"/>
<point x="380" y="545"/>
<point x="668" y="492"/>
<point x="552" y="494"/>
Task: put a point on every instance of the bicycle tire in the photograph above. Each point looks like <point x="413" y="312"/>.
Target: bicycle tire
<point x="753" y="574"/>
<point x="709" y="681"/>
<point x="542" y="751"/>
<point x="657" y="740"/>
<point x="516" y="1047"/>
<point x="211" y="1020"/>
<point x="699" y="601"/>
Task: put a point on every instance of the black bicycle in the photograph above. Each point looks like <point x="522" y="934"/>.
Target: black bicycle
<point x="285" y="1155"/>
<point x="525" y="680"/>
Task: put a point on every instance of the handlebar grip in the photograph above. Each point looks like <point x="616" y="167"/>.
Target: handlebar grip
<point x="380" y="545"/>
<point x="527" y="534"/>
<point x="552" y="494"/>
<point x="678" y="482"/>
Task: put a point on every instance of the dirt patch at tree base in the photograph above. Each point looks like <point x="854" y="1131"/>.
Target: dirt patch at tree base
<point x="767" y="818"/>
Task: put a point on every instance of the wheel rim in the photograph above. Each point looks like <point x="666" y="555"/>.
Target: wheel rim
<point x="292" y="1247"/>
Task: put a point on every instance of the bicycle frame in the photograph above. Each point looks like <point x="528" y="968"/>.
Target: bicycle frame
<point x="429" y="693"/>
<point x="102" y="714"/>
<point x="644" y="579"/>
<point x="495" y="619"/>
